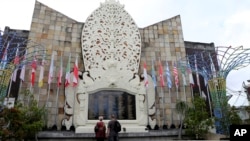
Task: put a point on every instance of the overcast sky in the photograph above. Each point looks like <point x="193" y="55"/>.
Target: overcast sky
<point x="224" y="22"/>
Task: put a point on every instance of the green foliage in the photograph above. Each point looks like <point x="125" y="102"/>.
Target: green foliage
<point x="24" y="120"/>
<point x="197" y="119"/>
<point x="247" y="109"/>
<point x="234" y="118"/>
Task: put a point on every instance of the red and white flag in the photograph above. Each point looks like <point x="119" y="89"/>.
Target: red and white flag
<point x="145" y="75"/>
<point x="33" y="71"/>
<point x="51" y="69"/>
<point x="75" y="77"/>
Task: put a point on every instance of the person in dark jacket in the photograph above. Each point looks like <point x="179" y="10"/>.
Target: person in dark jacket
<point x="111" y="133"/>
<point x="100" y="130"/>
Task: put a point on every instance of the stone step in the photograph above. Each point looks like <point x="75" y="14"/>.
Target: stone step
<point x="152" y="135"/>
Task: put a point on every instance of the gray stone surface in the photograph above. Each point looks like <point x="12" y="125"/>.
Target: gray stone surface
<point x="152" y="135"/>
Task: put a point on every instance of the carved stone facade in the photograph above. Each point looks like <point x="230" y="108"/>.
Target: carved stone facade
<point x="111" y="49"/>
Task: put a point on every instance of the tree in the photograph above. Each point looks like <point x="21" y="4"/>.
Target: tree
<point x="181" y="108"/>
<point x="197" y="119"/>
<point x="24" y="121"/>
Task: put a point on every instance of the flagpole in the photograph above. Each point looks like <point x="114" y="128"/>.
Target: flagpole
<point x="192" y="93"/>
<point x="9" y="88"/>
<point x="38" y="97"/>
<point x="145" y="75"/>
<point x="58" y="86"/>
<point x="20" y="86"/>
<point x="177" y="93"/>
<point x="197" y="76"/>
<point x="163" y="107"/>
<point x="56" y="114"/>
<point x="50" y="77"/>
<point x="73" y="115"/>
<point x="75" y="80"/>
<point x="147" y="107"/>
<point x="29" y="94"/>
<point x="170" y="97"/>
<point x="184" y="91"/>
<point x="158" y="111"/>
<point x="209" y="101"/>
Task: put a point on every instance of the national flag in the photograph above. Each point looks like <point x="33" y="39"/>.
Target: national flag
<point x="59" y="81"/>
<point x="153" y="74"/>
<point x="67" y="76"/>
<point x="183" y="74"/>
<point x="161" y="75"/>
<point x="22" y="74"/>
<point x="14" y="75"/>
<point x="33" y="71"/>
<point x="175" y="71"/>
<point x="196" y="69"/>
<point x="16" y="62"/>
<point x="205" y="76"/>
<point x="1" y="41"/>
<point x="168" y="75"/>
<point x="16" y="59"/>
<point x="40" y="81"/>
<point x="51" y="68"/>
<point x="4" y="57"/>
<point x="75" y="70"/>
<point x="190" y="75"/>
<point x="203" y="95"/>
<point x="145" y="75"/>
<point x="212" y="67"/>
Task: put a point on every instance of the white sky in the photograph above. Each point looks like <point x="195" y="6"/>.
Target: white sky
<point x="224" y="22"/>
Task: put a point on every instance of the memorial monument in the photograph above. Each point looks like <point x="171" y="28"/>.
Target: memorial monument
<point x="110" y="50"/>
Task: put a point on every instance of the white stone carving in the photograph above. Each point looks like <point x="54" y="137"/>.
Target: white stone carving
<point x="111" y="48"/>
<point x="110" y="34"/>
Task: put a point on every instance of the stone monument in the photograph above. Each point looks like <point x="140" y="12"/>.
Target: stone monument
<point x="111" y="83"/>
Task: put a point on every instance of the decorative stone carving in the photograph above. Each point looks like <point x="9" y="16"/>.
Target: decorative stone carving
<point x="111" y="48"/>
<point x="110" y="34"/>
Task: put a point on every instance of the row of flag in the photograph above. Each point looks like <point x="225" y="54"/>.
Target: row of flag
<point x="59" y="76"/>
<point x="168" y="75"/>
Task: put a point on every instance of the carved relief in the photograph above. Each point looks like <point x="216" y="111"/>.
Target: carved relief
<point x="111" y="48"/>
<point x="110" y="34"/>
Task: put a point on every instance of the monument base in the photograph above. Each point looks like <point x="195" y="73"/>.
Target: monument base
<point x="125" y="129"/>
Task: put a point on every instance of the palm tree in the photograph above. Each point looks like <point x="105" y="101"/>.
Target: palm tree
<point x="181" y="108"/>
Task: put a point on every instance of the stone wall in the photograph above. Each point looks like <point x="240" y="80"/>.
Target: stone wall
<point x="61" y="35"/>
<point x="163" y="41"/>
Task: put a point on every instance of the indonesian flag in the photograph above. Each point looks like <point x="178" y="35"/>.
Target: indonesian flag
<point x="145" y="74"/>
<point x="59" y="81"/>
<point x="161" y="75"/>
<point x="75" y="77"/>
<point x="67" y="76"/>
<point x="190" y="75"/>
<point x="33" y="71"/>
<point x="51" y="69"/>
